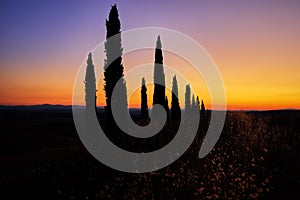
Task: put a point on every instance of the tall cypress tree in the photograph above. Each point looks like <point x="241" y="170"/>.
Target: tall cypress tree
<point x="90" y="85"/>
<point x="175" y="108"/>
<point x="187" y="99"/>
<point x="113" y="64"/>
<point x="144" y="103"/>
<point x="159" y="76"/>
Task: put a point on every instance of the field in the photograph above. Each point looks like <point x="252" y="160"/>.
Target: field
<point x="256" y="157"/>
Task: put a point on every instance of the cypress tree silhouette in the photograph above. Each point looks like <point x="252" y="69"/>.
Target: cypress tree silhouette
<point x="159" y="76"/>
<point x="144" y="104"/>
<point x="203" y="116"/>
<point x="202" y="108"/>
<point x="175" y="108"/>
<point x="90" y="85"/>
<point x="113" y="64"/>
<point x="187" y="99"/>
<point x="193" y="106"/>
<point x="167" y="108"/>
<point x="198" y="104"/>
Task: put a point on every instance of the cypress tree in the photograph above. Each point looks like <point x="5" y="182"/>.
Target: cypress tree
<point x="159" y="76"/>
<point x="193" y="107"/>
<point x="202" y="107"/>
<point x="90" y="85"/>
<point x="113" y="67"/>
<point x="144" y="103"/>
<point x="166" y="106"/>
<point x="203" y="116"/>
<point x="175" y="108"/>
<point x="187" y="99"/>
<point x="197" y="104"/>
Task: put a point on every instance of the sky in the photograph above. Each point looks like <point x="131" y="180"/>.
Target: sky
<point x="255" y="45"/>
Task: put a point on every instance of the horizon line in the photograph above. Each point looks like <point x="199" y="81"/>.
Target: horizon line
<point x="70" y="105"/>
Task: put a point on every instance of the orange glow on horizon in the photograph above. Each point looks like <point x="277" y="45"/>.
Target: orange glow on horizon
<point x="254" y="93"/>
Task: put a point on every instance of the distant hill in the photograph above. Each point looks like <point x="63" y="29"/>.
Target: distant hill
<point x="67" y="107"/>
<point x="38" y="107"/>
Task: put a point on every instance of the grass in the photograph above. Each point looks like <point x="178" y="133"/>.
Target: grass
<point x="256" y="157"/>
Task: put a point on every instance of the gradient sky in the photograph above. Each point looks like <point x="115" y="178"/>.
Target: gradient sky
<point x="255" y="44"/>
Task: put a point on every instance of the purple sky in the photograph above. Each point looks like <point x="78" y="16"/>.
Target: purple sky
<point x="36" y="33"/>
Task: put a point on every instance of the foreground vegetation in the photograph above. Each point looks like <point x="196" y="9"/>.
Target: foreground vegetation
<point x="256" y="157"/>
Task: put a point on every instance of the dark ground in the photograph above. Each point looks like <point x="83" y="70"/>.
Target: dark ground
<point x="42" y="157"/>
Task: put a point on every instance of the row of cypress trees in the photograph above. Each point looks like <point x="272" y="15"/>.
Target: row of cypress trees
<point x="114" y="71"/>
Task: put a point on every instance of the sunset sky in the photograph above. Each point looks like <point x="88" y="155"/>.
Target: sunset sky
<point x="255" y="44"/>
